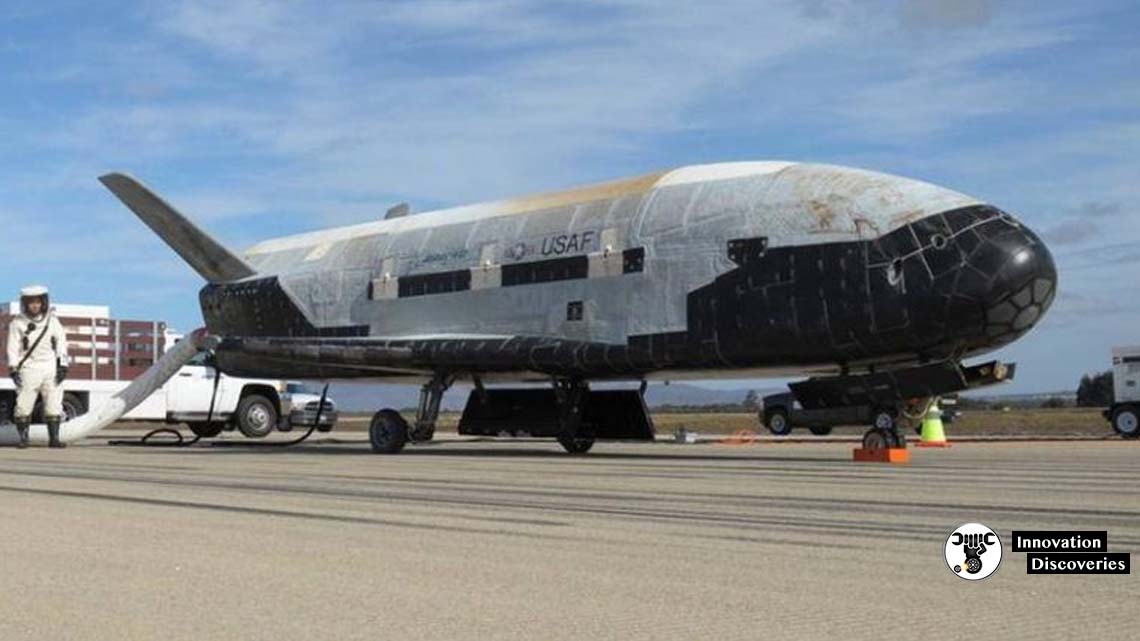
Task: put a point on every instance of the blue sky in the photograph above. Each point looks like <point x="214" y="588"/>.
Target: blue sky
<point x="263" y="118"/>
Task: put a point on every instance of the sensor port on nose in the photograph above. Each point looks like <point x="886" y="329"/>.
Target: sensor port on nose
<point x="895" y="271"/>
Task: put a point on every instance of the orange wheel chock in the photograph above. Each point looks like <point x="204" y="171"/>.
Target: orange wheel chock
<point x="895" y="455"/>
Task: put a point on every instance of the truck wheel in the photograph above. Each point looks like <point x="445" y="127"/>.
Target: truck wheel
<point x="1126" y="421"/>
<point x="72" y="406"/>
<point x="821" y="430"/>
<point x="388" y="432"/>
<point x="256" y="416"/>
<point x="206" y="430"/>
<point x="777" y="422"/>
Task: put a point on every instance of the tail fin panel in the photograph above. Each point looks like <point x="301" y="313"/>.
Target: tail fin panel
<point x="208" y="257"/>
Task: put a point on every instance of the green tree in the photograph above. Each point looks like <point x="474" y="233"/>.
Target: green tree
<point x="1095" y="390"/>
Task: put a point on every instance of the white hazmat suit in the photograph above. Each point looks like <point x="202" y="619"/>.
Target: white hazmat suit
<point x="37" y="359"/>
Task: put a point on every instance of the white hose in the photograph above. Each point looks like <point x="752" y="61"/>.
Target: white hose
<point x="124" y="400"/>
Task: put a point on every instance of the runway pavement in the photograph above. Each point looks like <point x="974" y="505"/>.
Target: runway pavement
<point x="500" y="540"/>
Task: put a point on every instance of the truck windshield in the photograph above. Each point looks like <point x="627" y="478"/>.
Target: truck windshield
<point x="301" y="388"/>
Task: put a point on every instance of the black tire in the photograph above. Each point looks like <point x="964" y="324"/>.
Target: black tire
<point x="388" y="432"/>
<point x="776" y="420"/>
<point x="576" y="444"/>
<point x="73" y="406"/>
<point x="821" y="430"/>
<point x="206" y="430"/>
<point x="1126" y="421"/>
<point x="876" y="439"/>
<point x="256" y="416"/>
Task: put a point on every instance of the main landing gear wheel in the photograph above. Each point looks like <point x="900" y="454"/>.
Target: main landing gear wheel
<point x="1126" y="422"/>
<point x="878" y="439"/>
<point x="777" y="422"/>
<point x="576" y="444"/>
<point x="388" y="432"/>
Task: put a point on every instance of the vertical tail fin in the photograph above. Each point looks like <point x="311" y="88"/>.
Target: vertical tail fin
<point x="207" y="256"/>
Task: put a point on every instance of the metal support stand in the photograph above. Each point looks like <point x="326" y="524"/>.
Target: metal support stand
<point x="428" y="411"/>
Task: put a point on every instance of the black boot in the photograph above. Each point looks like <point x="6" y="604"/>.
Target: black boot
<point x="53" y="433"/>
<point x="22" y="431"/>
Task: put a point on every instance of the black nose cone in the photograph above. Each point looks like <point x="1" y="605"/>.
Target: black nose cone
<point x="1013" y="277"/>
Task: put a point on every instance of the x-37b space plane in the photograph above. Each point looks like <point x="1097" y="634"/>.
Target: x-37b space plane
<point x="875" y="286"/>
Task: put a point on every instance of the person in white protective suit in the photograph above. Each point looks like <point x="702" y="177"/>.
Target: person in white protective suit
<point x="38" y="362"/>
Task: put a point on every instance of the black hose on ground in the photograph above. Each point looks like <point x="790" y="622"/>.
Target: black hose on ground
<point x="301" y="439"/>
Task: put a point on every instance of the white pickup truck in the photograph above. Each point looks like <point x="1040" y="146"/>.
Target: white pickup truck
<point x="255" y="407"/>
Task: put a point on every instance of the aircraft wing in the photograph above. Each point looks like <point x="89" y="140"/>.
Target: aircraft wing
<point x="327" y="357"/>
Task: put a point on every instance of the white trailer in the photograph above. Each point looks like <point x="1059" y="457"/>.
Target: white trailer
<point x="107" y="354"/>
<point x="1124" y="413"/>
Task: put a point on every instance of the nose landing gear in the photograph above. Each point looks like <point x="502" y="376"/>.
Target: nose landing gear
<point x="878" y="438"/>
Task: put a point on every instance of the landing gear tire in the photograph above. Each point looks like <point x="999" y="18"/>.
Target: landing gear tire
<point x="388" y="432"/>
<point x="206" y="430"/>
<point x="822" y="430"/>
<point x="777" y="422"/>
<point x="1126" y="421"/>
<point x="877" y="439"/>
<point x="576" y="444"/>
<point x="883" y="419"/>
<point x="256" y="416"/>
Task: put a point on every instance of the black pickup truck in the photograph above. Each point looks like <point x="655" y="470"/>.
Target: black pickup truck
<point x="781" y="413"/>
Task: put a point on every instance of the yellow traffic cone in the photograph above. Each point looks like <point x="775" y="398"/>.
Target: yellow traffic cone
<point x="933" y="434"/>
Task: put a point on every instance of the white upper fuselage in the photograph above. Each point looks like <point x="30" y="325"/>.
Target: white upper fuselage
<point x="682" y="218"/>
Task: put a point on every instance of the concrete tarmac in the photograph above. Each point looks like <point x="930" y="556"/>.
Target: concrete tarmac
<point x="509" y="540"/>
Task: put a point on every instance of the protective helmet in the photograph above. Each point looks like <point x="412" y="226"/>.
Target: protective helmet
<point x="32" y="292"/>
